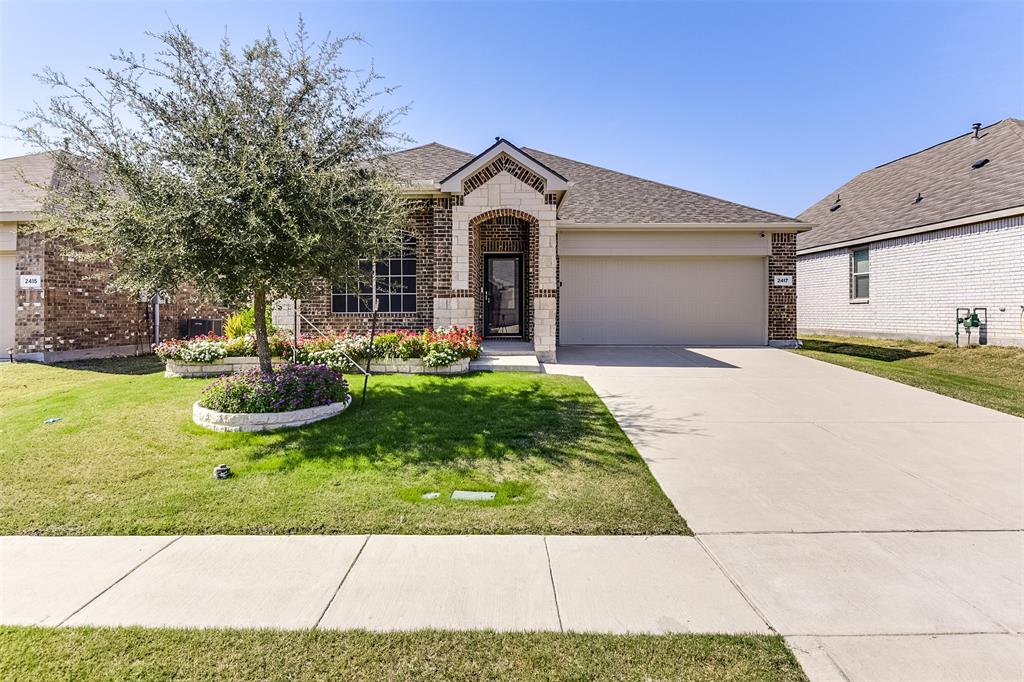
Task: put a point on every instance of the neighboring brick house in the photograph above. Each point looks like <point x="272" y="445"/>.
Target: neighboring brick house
<point x="521" y="244"/>
<point x="899" y="248"/>
<point x="53" y="308"/>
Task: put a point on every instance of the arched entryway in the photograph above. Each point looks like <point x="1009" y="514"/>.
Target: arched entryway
<point x="503" y="267"/>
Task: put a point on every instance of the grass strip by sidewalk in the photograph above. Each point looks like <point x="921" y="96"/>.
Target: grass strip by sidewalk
<point x="990" y="376"/>
<point x="126" y="459"/>
<point x="84" y="654"/>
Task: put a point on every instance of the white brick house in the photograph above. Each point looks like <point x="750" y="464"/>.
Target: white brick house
<point x="899" y="248"/>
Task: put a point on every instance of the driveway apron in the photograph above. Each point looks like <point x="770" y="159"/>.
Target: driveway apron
<point x="876" y="525"/>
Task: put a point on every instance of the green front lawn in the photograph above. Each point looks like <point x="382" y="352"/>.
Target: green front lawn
<point x="136" y="654"/>
<point x="125" y="458"/>
<point x="992" y="376"/>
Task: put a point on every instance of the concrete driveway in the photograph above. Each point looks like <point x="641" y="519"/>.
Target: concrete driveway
<point x="875" y="525"/>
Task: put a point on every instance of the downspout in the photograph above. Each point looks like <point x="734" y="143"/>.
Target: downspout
<point x="156" y="319"/>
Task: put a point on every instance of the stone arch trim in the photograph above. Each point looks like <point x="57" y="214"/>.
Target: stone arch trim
<point x="503" y="162"/>
<point x="527" y="242"/>
<point x="504" y="213"/>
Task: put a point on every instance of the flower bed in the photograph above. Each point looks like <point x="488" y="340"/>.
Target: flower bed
<point x="292" y="395"/>
<point x="434" y="348"/>
<point x="440" y="351"/>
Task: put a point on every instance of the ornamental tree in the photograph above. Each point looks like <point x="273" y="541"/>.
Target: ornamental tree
<point x="248" y="173"/>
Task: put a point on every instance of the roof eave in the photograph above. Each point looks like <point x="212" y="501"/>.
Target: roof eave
<point x="788" y="226"/>
<point x="18" y="216"/>
<point x="917" y="229"/>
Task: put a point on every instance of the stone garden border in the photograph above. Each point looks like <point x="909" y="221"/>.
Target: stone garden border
<point x="416" y="366"/>
<point x="229" y="365"/>
<point x="265" y="421"/>
<point x="190" y="370"/>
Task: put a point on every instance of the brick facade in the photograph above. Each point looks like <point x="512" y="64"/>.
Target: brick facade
<point x="503" y="212"/>
<point x="782" y="299"/>
<point x="29" y="315"/>
<point x="427" y="225"/>
<point x="75" y="315"/>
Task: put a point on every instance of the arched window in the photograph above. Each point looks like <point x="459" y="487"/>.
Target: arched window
<point x="390" y="282"/>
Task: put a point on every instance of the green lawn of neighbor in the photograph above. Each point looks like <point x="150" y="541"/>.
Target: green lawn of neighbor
<point x="125" y="458"/>
<point x="84" y="654"/>
<point x="992" y="376"/>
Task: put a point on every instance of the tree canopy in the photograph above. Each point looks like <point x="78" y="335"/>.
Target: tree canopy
<point x="248" y="173"/>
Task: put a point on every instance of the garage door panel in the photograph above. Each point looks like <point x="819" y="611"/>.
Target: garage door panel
<point x="671" y="300"/>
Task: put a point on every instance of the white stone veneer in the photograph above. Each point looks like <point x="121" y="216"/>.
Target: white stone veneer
<point x="416" y="366"/>
<point x="192" y="370"/>
<point x="265" y="421"/>
<point x="504" y="191"/>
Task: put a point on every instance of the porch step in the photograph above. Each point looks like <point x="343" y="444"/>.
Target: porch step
<point x="505" y="363"/>
<point x="493" y="348"/>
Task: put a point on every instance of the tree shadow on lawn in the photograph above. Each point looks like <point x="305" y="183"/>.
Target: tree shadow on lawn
<point x="454" y="422"/>
<point x="882" y="353"/>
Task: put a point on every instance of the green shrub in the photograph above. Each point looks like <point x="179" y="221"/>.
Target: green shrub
<point x="386" y="345"/>
<point x="412" y="347"/>
<point x="244" y="322"/>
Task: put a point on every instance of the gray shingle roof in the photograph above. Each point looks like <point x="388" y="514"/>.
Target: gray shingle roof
<point x="597" y="195"/>
<point x="883" y="199"/>
<point x="427" y="164"/>
<point x="17" y="196"/>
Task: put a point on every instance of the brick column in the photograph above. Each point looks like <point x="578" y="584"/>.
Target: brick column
<point x="782" y="299"/>
<point x="29" y="316"/>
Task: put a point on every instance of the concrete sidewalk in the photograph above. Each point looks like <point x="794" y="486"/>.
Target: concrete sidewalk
<point x="502" y="582"/>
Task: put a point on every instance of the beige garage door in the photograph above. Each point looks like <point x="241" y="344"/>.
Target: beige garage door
<point x="670" y="300"/>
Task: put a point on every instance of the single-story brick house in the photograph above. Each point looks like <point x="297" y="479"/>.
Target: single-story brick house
<point x="53" y="308"/>
<point x="517" y="243"/>
<point x="899" y="248"/>
<point x="522" y="244"/>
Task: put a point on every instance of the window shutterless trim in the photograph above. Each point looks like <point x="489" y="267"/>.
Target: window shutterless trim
<point x="393" y="287"/>
<point x="856" y="277"/>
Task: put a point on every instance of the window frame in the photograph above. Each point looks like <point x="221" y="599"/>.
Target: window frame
<point x="396" y="284"/>
<point x="855" y="276"/>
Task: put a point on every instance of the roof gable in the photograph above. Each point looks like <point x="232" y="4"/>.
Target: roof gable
<point x="503" y="156"/>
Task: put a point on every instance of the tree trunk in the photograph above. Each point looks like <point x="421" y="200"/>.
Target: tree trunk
<point x="259" y="309"/>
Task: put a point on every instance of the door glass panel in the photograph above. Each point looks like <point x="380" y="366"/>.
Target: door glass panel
<point x="503" y="301"/>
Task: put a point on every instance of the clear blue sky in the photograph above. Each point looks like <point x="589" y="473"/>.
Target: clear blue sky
<point x="771" y="105"/>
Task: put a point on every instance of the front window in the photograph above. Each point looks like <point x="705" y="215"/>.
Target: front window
<point x="860" y="273"/>
<point x="391" y="283"/>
